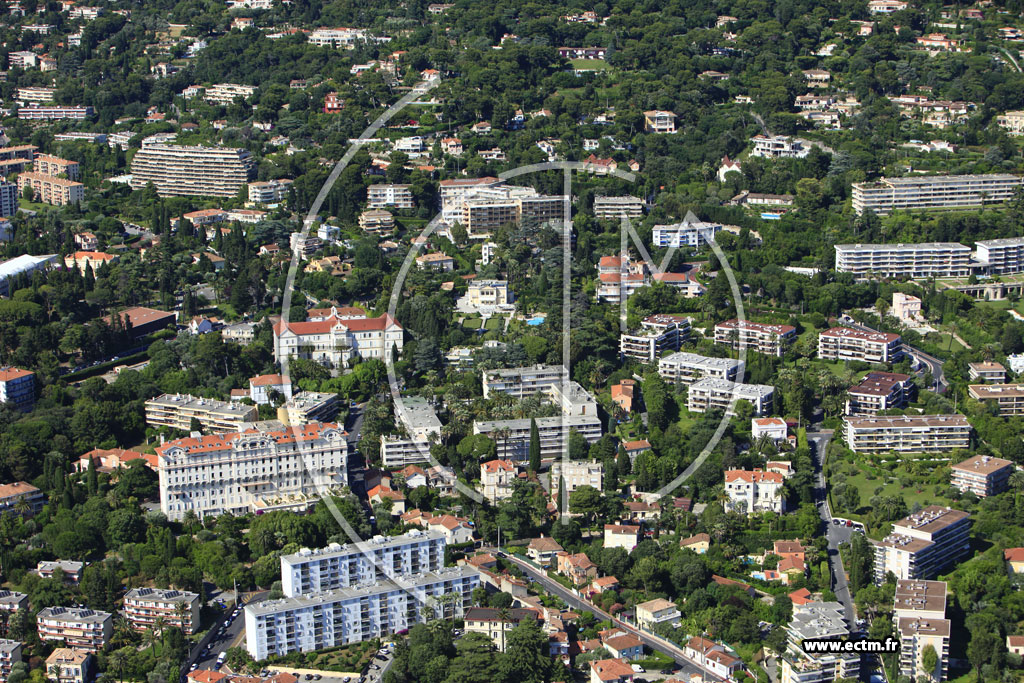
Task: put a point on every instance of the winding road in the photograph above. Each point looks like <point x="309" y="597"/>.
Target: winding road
<point x="834" y="533"/>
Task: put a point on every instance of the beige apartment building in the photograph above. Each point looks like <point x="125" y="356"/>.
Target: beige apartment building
<point x="907" y="434"/>
<point x="658" y="333"/>
<point x="179" y="410"/>
<point x="143" y="606"/>
<point x="68" y="665"/>
<point x="919" y="614"/>
<point x="1009" y="398"/>
<point x="886" y="195"/>
<point x="574" y="474"/>
<point x="183" y="170"/>
<point x="924" y="544"/>
<point x="922" y="260"/>
<point x="611" y="208"/>
<point x="844" y="343"/>
<point x="879" y="391"/>
<point x="50" y="190"/>
<point x="770" y="340"/>
<point x="982" y="475"/>
<point x="383" y="195"/>
<point x="81" y="628"/>
<point x="986" y="372"/>
<point x="55" y="166"/>
<point x="376" y="221"/>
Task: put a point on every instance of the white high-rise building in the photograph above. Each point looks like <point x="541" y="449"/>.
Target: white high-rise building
<point x="357" y="613"/>
<point x="687" y="368"/>
<point x="342" y="566"/>
<point x="924" y="544"/>
<point x="181" y="170"/>
<point x="920" y="260"/>
<point x="886" y="195"/>
<point x="251" y="470"/>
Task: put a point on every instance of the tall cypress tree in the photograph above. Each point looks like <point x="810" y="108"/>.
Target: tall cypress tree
<point x="534" y="446"/>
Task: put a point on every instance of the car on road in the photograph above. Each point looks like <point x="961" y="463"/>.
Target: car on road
<point x="849" y="522"/>
<point x="638" y="669"/>
<point x="194" y="667"/>
<point x="835" y="521"/>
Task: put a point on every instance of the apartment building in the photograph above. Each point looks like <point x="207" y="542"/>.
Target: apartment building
<point x="54" y="166"/>
<point x="923" y="260"/>
<point x="487" y="209"/>
<point x="1012" y="122"/>
<point x="770" y="340"/>
<point x="422" y="430"/>
<point x="178" y="411"/>
<point x="269" y="191"/>
<point x="691" y="234"/>
<point x="817" y="621"/>
<point x="144" y="606"/>
<point x="22" y="59"/>
<point x="333" y="341"/>
<point x="496" y="624"/>
<point x="496" y="477"/>
<point x="621" y="536"/>
<point x="612" y="208"/>
<point x="687" y="368"/>
<point x="919" y="614"/>
<point x="225" y="93"/>
<point x="710" y="393"/>
<point x="886" y="195"/>
<point x="924" y="544"/>
<point x="653" y="613"/>
<point x="455" y="190"/>
<point x="54" y="113"/>
<point x="70" y="570"/>
<point x="621" y="277"/>
<point x="982" y="475"/>
<point x="778" y="147"/>
<point x="33" y="95"/>
<point x="383" y="195"/>
<point x="1009" y="398"/>
<point x="907" y="434"/>
<point x="68" y="665"/>
<point x="357" y="613"/>
<point x="986" y="372"/>
<point x="524" y="381"/>
<point x="488" y="294"/>
<point x="574" y="474"/>
<point x="81" y="628"/>
<point x="1001" y="256"/>
<point x="377" y="221"/>
<point x="183" y="170"/>
<point x="10" y="654"/>
<point x="22" y="152"/>
<point x="306" y="407"/>
<point x="18" y="386"/>
<point x="844" y="343"/>
<point x="337" y="37"/>
<point x="379" y="558"/>
<point x="12" y="601"/>
<point x="8" y="199"/>
<point x="879" y="391"/>
<point x="50" y="190"/>
<point x="751" y="491"/>
<point x="658" y="121"/>
<point x="237" y="472"/>
<point x="20" y="496"/>
<point x="658" y="333"/>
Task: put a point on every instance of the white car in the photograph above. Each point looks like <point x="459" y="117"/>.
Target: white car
<point x="638" y="669"/>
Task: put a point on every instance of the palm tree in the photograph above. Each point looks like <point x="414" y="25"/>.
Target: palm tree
<point x="117" y="660"/>
<point x="184" y="617"/>
<point x="54" y="672"/>
<point x="1017" y="481"/>
<point x="503" y="618"/>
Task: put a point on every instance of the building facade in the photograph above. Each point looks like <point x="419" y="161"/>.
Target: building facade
<point x="83" y="629"/>
<point x="18" y="386"/>
<point x="334" y="340"/>
<point x="181" y="170"/>
<point x="907" y="434"/>
<point x="709" y="393"/>
<point x="50" y="190"/>
<point x="922" y="260"/>
<point x="144" y="606"/>
<point x="752" y="491"/>
<point x="658" y="333"/>
<point x="886" y="195"/>
<point x="844" y="343"/>
<point x="687" y="368"/>
<point x="982" y="475"/>
<point x="770" y="340"/>
<point x="686" y="234"/>
<point x="924" y="544"/>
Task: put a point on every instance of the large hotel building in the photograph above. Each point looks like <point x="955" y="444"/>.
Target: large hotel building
<point x="342" y="566"/>
<point x="844" y="343"/>
<point x="770" y="340"/>
<point x="906" y="434"/>
<point x="933" y="192"/>
<point x="357" y="613"/>
<point x="143" y="606"/>
<point x="181" y="170"/>
<point x="253" y="470"/>
<point x="179" y="410"/>
<point x="923" y="260"/>
<point x="924" y="544"/>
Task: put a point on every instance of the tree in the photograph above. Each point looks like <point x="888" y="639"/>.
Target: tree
<point x="930" y="660"/>
<point x="534" y="446"/>
<point x="475" y="662"/>
<point x="526" y="660"/>
<point x="623" y="465"/>
<point x="984" y="648"/>
<point x="586" y="501"/>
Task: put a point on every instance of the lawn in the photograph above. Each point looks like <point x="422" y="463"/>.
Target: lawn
<point x="895" y="479"/>
<point x="944" y="341"/>
<point x="590" y="64"/>
<point x="471" y="324"/>
<point x="494" y="323"/>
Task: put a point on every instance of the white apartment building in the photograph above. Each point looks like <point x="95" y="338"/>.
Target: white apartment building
<point x="81" y="628"/>
<point x="525" y="381"/>
<point x="658" y="333"/>
<point x="752" y="491"/>
<point x="1009" y="398"/>
<point x="18" y="386"/>
<point x="183" y="170"/>
<point x="770" y="340"/>
<point x="919" y="614"/>
<point x="54" y="113"/>
<point x="496" y="477"/>
<point x="923" y="260"/>
<point x="844" y="343"/>
<point x="177" y="411"/>
<point x="686" y="234"/>
<point x="487" y="209"/>
<point x="355" y="614"/>
<point x="886" y="195"/>
<point x="225" y="93"/>
<point x="907" y="434"/>
<point x="10" y="654"/>
<point x="774" y="428"/>
<point x="687" y="368"/>
<point x="383" y="195"/>
<point x="574" y="474"/>
<point x="238" y="472"/>
<point x="982" y="475"/>
<point x="422" y="428"/>
<point x="613" y="208"/>
<point x="269" y="191"/>
<point x="143" y="606"/>
<point x="23" y="95"/>
<point x="924" y="544"/>
<point x="817" y="620"/>
<point x="1002" y="256"/>
<point x="1012" y="122"/>
<point x="710" y="393"/>
<point x="778" y="147"/>
<point x="309" y="406"/>
<point x="310" y="572"/>
<point x="12" y="601"/>
<point x="334" y="340"/>
<point x="22" y="59"/>
<point x="337" y="37"/>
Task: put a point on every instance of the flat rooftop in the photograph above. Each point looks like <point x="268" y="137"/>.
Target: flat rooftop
<point x="907" y="421"/>
<point x="983" y="464"/>
<point x="737" y="389"/>
<point x="375" y="543"/>
<point x="918" y="246"/>
<point x="924" y="596"/>
<point x="818" y="620"/>
<point x="932" y="519"/>
<point x="695" y="360"/>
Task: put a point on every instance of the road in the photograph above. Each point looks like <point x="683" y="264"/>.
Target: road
<point x="687" y="668"/>
<point x="931" y="363"/>
<point x="834" y="533"/>
<point x="234" y="635"/>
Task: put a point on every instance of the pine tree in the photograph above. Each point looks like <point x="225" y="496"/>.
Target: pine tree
<point x="92" y="478"/>
<point x="623" y="464"/>
<point x="534" y="446"/>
